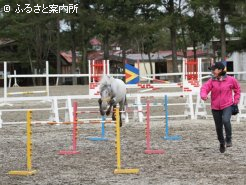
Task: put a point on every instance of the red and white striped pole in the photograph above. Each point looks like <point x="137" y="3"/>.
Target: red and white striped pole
<point x="75" y="131"/>
<point x="149" y="150"/>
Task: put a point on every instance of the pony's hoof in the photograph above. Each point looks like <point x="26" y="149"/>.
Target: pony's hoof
<point x="112" y="101"/>
<point x="107" y="113"/>
<point x="102" y="113"/>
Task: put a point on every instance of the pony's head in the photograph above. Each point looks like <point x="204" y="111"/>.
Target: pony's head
<point x="105" y="92"/>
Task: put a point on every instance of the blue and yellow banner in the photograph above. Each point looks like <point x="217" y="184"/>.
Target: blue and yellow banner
<point x="131" y="74"/>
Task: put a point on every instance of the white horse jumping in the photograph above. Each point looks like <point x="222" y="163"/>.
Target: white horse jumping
<point x="112" y="91"/>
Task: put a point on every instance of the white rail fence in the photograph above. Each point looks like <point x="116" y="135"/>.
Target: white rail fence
<point x="192" y="110"/>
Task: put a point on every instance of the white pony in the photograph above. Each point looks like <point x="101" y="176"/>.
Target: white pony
<point x="112" y="91"/>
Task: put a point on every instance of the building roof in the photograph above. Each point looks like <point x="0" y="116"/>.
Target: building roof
<point x="133" y="57"/>
<point x="214" y="39"/>
<point x="95" y="55"/>
<point x="155" y="57"/>
<point x="68" y="56"/>
<point x="4" y="41"/>
<point x="95" y="42"/>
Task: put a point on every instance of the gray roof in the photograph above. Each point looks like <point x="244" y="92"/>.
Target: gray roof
<point x="155" y="57"/>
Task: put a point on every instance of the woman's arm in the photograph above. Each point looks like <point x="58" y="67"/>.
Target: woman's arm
<point x="205" y="89"/>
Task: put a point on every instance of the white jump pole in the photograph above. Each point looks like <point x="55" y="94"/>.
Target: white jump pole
<point x="5" y="80"/>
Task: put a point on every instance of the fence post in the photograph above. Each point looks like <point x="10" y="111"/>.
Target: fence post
<point x="47" y="79"/>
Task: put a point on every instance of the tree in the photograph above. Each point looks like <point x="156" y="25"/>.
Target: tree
<point x="30" y="29"/>
<point x="171" y="18"/>
<point x="238" y="21"/>
<point x="147" y="29"/>
<point x="226" y="12"/>
<point x="105" y="21"/>
<point x="87" y="31"/>
<point x="200" y="25"/>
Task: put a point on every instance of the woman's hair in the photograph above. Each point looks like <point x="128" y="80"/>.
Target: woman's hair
<point x="222" y="73"/>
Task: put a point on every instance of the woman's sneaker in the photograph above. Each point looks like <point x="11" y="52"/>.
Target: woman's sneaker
<point x="228" y="144"/>
<point x="222" y="148"/>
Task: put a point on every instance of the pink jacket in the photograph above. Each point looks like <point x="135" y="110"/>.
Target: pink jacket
<point x="221" y="92"/>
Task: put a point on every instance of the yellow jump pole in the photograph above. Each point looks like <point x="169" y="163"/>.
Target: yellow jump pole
<point x="28" y="148"/>
<point x="119" y="170"/>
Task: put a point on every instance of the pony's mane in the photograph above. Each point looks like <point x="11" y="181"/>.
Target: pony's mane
<point x="105" y="81"/>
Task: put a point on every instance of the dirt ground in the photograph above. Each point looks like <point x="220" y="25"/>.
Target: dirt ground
<point x="193" y="160"/>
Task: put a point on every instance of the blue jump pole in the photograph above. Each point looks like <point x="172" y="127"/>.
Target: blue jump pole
<point x="167" y="137"/>
<point x="102" y="138"/>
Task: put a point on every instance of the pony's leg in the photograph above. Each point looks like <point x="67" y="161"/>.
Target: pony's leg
<point x="122" y="108"/>
<point x="120" y="120"/>
<point x="111" y="103"/>
<point x="113" y="115"/>
<point x="100" y="107"/>
<point x="109" y="110"/>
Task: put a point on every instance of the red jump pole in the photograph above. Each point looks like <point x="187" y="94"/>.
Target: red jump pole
<point x="75" y="130"/>
<point x="149" y="150"/>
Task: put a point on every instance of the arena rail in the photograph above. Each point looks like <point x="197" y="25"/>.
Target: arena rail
<point x="54" y="114"/>
<point x="54" y="108"/>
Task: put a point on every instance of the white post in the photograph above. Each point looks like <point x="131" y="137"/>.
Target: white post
<point x="54" y="114"/>
<point x="242" y="107"/>
<point x="140" y="109"/>
<point x="126" y="117"/>
<point x="57" y="81"/>
<point x="56" y="110"/>
<point x="15" y="84"/>
<point x="89" y="71"/>
<point x="200" y="105"/>
<point x="47" y="78"/>
<point x="70" y="108"/>
<point x="1" y="121"/>
<point x="183" y="75"/>
<point x="108" y="72"/>
<point x="199" y="71"/>
<point x="93" y="71"/>
<point x="5" y="80"/>
<point x="126" y="114"/>
<point x="191" y="106"/>
<point x="104" y="67"/>
<point x="10" y="80"/>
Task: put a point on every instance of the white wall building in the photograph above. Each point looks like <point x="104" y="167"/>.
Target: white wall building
<point x="239" y="64"/>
